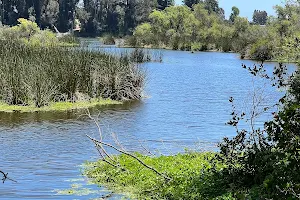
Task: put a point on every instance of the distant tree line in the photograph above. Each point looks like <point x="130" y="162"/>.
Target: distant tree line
<point x="118" y="17"/>
<point x="45" y="12"/>
<point x="200" y="26"/>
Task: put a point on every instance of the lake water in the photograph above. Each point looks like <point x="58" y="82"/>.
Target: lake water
<point x="186" y="105"/>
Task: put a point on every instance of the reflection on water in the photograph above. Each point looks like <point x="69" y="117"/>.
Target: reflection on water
<point x="188" y="105"/>
<point x="18" y="118"/>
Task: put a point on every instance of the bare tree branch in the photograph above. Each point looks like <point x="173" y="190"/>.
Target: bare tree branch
<point x="100" y="143"/>
<point x="5" y="177"/>
<point x="102" y="149"/>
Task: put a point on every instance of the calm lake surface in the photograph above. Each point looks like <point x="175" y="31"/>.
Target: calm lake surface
<point x="186" y="106"/>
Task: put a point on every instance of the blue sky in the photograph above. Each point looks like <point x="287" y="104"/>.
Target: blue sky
<point x="246" y="6"/>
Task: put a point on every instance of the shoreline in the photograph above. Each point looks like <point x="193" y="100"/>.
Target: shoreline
<point x="57" y="106"/>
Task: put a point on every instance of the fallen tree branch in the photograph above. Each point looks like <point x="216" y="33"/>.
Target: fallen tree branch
<point x="102" y="149"/>
<point x="107" y="196"/>
<point x="5" y="177"/>
<point x="100" y="143"/>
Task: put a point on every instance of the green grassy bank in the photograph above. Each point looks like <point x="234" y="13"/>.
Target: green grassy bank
<point x="58" y="106"/>
<point x="194" y="176"/>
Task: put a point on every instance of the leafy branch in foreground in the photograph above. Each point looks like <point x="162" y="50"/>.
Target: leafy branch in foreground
<point x="267" y="158"/>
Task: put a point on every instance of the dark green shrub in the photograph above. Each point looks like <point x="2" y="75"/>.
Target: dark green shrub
<point x="69" y="39"/>
<point x="267" y="158"/>
<point x="131" y="41"/>
<point x="261" y="50"/>
<point x="108" y="39"/>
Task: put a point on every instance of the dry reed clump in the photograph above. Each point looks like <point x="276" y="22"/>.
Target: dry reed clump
<point x="41" y="75"/>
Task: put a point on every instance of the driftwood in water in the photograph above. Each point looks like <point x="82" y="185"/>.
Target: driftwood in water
<point x="5" y="177"/>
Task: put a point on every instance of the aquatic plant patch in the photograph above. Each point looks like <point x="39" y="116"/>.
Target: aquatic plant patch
<point x="191" y="177"/>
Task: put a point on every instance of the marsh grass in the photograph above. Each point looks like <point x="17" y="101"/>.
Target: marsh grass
<point x="68" y="41"/>
<point x="40" y="75"/>
<point x="141" y="55"/>
<point x="108" y="39"/>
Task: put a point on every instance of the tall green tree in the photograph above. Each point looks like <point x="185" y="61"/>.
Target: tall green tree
<point x="49" y="13"/>
<point x="260" y="17"/>
<point x="234" y="13"/>
<point x="191" y="3"/>
<point x="12" y="10"/>
<point x="212" y="6"/>
<point x="162" y="4"/>
<point x="66" y="14"/>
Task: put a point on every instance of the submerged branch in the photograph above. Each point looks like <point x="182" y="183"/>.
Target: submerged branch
<point x="5" y="177"/>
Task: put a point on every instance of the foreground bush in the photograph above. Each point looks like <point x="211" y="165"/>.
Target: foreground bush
<point x="40" y="75"/>
<point x="267" y="158"/>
